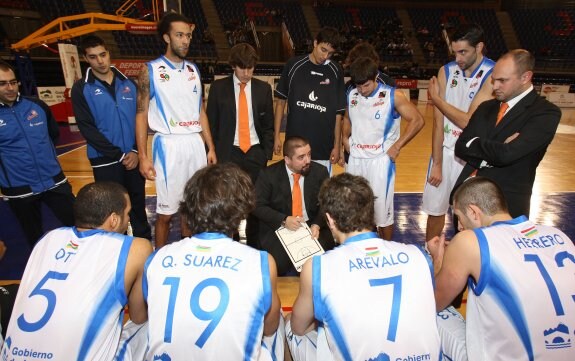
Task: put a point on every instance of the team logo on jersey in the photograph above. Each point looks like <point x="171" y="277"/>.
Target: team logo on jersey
<point x="189" y="123"/>
<point x="126" y="89"/>
<point x="479" y="74"/>
<point x="203" y="249"/>
<point x="33" y="114"/>
<point x="312" y="96"/>
<point x="98" y="92"/>
<point x="382" y="357"/>
<point x="557" y="337"/>
<point x="457" y="72"/>
<point x="382" y="94"/>
<point x="453" y="83"/>
<point x="72" y="245"/>
<point x="325" y="82"/>
<point x="163" y="75"/>
<point x="528" y="232"/>
<point x="163" y="357"/>
<point x="353" y="103"/>
<point x="2" y="123"/>
<point x="454" y="132"/>
<point x="316" y="73"/>
<point x="190" y="69"/>
<point x="372" y="251"/>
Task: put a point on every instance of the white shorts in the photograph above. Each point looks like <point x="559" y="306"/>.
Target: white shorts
<point x="380" y="172"/>
<point x="176" y="159"/>
<point x="451" y="327"/>
<point x="310" y="347"/>
<point x="436" y="199"/>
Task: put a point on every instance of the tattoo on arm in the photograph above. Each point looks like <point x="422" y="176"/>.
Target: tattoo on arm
<point x="143" y="91"/>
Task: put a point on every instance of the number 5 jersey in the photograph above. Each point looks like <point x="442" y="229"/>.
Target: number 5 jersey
<point x="70" y="304"/>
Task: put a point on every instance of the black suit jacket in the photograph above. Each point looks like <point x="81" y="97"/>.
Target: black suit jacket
<point x="221" y="111"/>
<point x="274" y="204"/>
<point x="513" y="165"/>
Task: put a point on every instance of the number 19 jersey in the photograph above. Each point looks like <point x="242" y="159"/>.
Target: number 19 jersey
<point x="70" y="303"/>
<point x="523" y="305"/>
<point x="207" y="298"/>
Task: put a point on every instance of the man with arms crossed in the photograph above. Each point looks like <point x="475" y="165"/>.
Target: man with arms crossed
<point x="170" y="102"/>
<point x="373" y="298"/>
<point x="105" y="109"/>
<point x="70" y="304"/>
<point x="520" y="277"/>
<point x="371" y="133"/>
<point x="313" y="88"/>
<point x="209" y="297"/>
<point x="457" y="91"/>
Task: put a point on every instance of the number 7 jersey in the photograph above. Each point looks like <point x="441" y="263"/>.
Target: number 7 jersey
<point x="207" y="297"/>
<point x="523" y="305"/>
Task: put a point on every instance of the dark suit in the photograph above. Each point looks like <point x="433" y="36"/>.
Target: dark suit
<point x="512" y="166"/>
<point x="274" y="204"/>
<point x="221" y="111"/>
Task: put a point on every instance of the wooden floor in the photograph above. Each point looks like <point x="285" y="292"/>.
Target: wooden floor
<point x="555" y="173"/>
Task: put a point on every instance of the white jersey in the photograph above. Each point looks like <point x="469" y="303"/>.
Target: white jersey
<point x="375" y="300"/>
<point x="459" y="92"/>
<point x="70" y="304"/>
<point x="207" y="298"/>
<point x="374" y="122"/>
<point x="522" y="307"/>
<point x="175" y="97"/>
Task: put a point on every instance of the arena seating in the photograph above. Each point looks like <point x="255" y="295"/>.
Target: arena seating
<point x="548" y="33"/>
<point x="433" y="19"/>
<point x="378" y="25"/>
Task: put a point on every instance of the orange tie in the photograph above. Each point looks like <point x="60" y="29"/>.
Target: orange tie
<point x="244" y="120"/>
<point x="296" y="206"/>
<point x="502" y="110"/>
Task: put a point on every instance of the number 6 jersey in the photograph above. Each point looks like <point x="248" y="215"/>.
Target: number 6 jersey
<point x="523" y="305"/>
<point x="70" y="303"/>
<point x="207" y="297"/>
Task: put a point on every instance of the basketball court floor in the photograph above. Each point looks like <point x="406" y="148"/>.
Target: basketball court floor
<point x="553" y="200"/>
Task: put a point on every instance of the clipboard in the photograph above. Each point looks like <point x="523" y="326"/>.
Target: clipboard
<point x="299" y="244"/>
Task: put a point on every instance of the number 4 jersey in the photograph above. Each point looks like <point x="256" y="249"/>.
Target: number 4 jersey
<point x="70" y="303"/>
<point x="207" y="298"/>
<point x="523" y="305"/>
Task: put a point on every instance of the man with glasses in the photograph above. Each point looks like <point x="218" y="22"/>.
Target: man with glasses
<point x="30" y="173"/>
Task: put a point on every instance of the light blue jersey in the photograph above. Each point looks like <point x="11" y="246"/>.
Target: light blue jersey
<point x="70" y="304"/>
<point x="207" y="297"/>
<point x="523" y="305"/>
<point x="375" y="301"/>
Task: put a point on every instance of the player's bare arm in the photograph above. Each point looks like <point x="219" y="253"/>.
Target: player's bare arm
<point x="139" y="252"/>
<point x="458" y="117"/>
<point x="346" y="130"/>
<point x="435" y="174"/>
<point x="278" y="116"/>
<point x="207" y="136"/>
<point x="461" y="260"/>
<point x="335" y="152"/>
<point x="272" y="318"/>
<point x="414" y="119"/>
<point x="302" y="318"/>
<point x="143" y="102"/>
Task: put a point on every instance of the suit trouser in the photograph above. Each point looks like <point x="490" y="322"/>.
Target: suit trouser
<point x="135" y="184"/>
<point x="252" y="162"/>
<point x="28" y="210"/>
